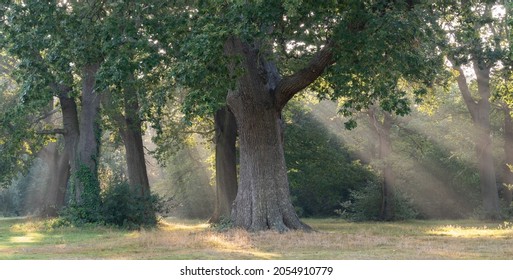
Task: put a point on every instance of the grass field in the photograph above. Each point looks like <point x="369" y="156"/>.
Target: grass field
<point x="189" y="239"/>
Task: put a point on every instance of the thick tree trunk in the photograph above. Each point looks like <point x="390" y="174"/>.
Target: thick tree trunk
<point x="508" y="161"/>
<point x="85" y="167"/>
<point x="263" y="199"/>
<point x="480" y="112"/>
<point x="487" y="173"/>
<point x="226" y="164"/>
<point x="136" y="163"/>
<point x="131" y="132"/>
<point x="59" y="161"/>
<point x="71" y="136"/>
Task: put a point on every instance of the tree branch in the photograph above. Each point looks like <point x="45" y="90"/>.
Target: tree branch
<point x="60" y="89"/>
<point x="46" y="115"/>
<point x="291" y="85"/>
<point x="465" y="91"/>
<point x="52" y="131"/>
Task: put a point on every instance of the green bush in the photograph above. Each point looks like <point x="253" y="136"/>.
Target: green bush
<point x="124" y="209"/>
<point x="365" y="205"/>
<point x="119" y="207"/>
<point x="224" y="224"/>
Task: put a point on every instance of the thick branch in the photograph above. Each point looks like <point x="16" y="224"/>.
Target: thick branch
<point x="291" y="85"/>
<point x="465" y="91"/>
<point x="52" y="131"/>
<point x="60" y="89"/>
<point x="46" y="115"/>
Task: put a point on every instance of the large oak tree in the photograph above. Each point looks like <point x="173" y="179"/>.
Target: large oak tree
<point x="255" y="56"/>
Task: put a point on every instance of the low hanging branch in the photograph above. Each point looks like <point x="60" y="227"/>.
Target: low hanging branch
<point x="46" y="115"/>
<point x="52" y="131"/>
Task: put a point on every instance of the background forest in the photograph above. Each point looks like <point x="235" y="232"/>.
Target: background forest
<point x="333" y="172"/>
<point x="383" y="110"/>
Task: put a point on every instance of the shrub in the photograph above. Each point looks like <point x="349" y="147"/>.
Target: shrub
<point x="125" y="209"/>
<point x="224" y="224"/>
<point x="119" y="207"/>
<point x="365" y="205"/>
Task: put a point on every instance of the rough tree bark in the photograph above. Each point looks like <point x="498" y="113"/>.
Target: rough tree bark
<point x="263" y="199"/>
<point x="88" y="147"/>
<point x="480" y="113"/>
<point x="226" y="164"/>
<point x="131" y="133"/>
<point x="71" y="136"/>
<point x="382" y="130"/>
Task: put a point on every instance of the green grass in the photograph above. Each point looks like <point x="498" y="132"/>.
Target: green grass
<point x="189" y="239"/>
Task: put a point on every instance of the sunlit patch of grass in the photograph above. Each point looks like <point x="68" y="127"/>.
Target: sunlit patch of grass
<point x="30" y="237"/>
<point x="171" y="225"/>
<point x="176" y="242"/>
<point x="504" y="230"/>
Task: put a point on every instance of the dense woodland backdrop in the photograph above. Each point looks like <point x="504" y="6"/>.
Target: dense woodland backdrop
<point x="256" y="113"/>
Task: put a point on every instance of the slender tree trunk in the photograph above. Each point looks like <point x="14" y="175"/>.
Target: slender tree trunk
<point x="382" y="130"/>
<point x="263" y="199"/>
<point x="226" y="165"/>
<point x="130" y="129"/>
<point x="480" y="112"/>
<point x="508" y="152"/>
<point x="85" y="168"/>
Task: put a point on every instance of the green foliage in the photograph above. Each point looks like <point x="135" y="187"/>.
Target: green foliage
<point x="224" y="224"/>
<point x="19" y="142"/>
<point x="377" y="44"/>
<point x="25" y="194"/>
<point x="321" y="171"/>
<point x="10" y="202"/>
<point x="117" y="206"/>
<point x="187" y="183"/>
<point x="381" y="46"/>
<point x="125" y="209"/>
<point x="365" y="205"/>
<point x="459" y="180"/>
<point x="88" y="208"/>
<point x="442" y="174"/>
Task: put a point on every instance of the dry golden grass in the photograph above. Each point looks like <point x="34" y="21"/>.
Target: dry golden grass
<point x="333" y="239"/>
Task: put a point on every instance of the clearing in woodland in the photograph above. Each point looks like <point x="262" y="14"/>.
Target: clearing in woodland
<point x="192" y="239"/>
